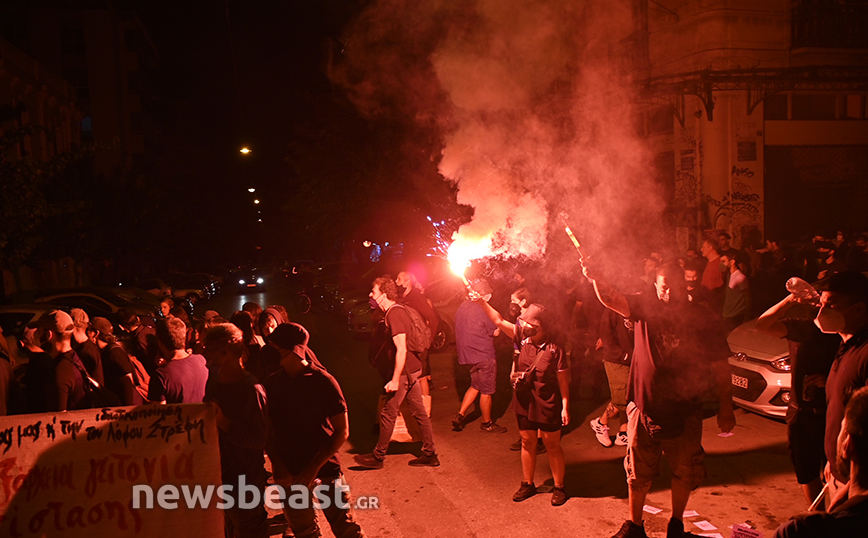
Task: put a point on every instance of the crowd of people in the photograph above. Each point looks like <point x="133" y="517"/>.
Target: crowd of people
<point x="661" y="340"/>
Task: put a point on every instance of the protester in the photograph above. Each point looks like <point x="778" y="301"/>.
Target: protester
<point x="182" y="378"/>
<point x="848" y="513"/>
<point x="309" y="425"/>
<point x="736" y="298"/>
<point x="142" y="342"/>
<point x="616" y="347"/>
<point x="119" y="374"/>
<point x="404" y="381"/>
<point x="242" y="425"/>
<point x="843" y="310"/>
<point x="678" y="349"/>
<point x="474" y="342"/>
<point x="413" y="295"/>
<point x="85" y="348"/>
<point x="712" y="278"/>
<point x="166" y="306"/>
<point x="269" y="320"/>
<point x="519" y="301"/>
<point x="53" y="380"/>
<point x="544" y="406"/>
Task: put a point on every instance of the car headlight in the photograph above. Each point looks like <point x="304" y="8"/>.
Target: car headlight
<point x="260" y="280"/>
<point x="242" y="282"/>
<point x="782" y="364"/>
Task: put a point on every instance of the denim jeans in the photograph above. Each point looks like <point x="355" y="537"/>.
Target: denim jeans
<point x="409" y="389"/>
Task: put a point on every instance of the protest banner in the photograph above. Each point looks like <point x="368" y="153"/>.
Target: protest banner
<point x="72" y="474"/>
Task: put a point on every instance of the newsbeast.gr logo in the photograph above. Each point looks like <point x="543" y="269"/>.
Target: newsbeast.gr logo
<point x="247" y="496"/>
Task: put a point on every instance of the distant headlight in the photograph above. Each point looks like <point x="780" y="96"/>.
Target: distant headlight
<point x="782" y="364"/>
<point x="242" y="282"/>
<point x="260" y="280"/>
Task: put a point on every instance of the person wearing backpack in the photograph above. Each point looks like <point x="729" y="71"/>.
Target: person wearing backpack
<point x="118" y="370"/>
<point x="407" y="330"/>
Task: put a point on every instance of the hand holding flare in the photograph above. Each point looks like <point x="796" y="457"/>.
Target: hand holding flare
<point x="563" y="216"/>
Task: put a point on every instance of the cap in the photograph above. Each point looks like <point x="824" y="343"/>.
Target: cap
<point x="103" y="325"/>
<point x="481" y="286"/>
<point x="290" y="336"/>
<point x="535" y="315"/>
<point x="210" y="314"/>
<point x="79" y="317"/>
<point x="57" y="321"/>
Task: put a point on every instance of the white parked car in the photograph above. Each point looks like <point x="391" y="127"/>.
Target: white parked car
<point x="761" y="376"/>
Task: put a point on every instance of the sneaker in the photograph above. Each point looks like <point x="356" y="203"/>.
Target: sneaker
<point x="368" y="461"/>
<point x="601" y="432"/>
<point x="621" y="439"/>
<point x="458" y="422"/>
<point x="491" y="427"/>
<point x="525" y="491"/>
<point x="675" y="529"/>
<point x="630" y="530"/>
<point x="516" y="446"/>
<point x="559" y="496"/>
<point x="425" y="461"/>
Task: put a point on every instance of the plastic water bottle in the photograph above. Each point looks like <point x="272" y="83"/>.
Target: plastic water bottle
<point x="802" y="291"/>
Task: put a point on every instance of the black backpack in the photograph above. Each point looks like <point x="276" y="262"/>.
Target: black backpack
<point x="419" y="337"/>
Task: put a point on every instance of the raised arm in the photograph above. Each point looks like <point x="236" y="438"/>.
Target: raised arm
<point x="505" y="326"/>
<point x="609" y="296"/>
<point x="770" y="320"/>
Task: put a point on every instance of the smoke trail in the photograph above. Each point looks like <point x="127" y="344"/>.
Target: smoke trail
<point x="533" y="115"/>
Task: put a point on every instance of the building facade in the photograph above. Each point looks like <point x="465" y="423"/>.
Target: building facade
<point x="756" y="110"/>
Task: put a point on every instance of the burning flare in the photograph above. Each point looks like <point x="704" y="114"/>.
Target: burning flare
<point x="463" y="250"/>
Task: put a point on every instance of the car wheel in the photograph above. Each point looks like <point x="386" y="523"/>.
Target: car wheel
<point x="441" y="337"/>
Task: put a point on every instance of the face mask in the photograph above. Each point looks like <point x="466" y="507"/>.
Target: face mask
<point x="401" y="289"/>
<point x="372" y="303"/>
<point x="830" y="321"/>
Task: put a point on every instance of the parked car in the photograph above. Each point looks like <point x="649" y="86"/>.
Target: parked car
<point x="98" y="301"/>
<point x="155" y="286"/>
<point x="760" y="367"/>
<point x="194" y="288"/>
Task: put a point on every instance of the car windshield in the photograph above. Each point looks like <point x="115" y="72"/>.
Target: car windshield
<point x="112" y="298"/>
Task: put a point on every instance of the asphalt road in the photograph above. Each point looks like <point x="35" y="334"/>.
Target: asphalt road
<point x="749" y="476"/>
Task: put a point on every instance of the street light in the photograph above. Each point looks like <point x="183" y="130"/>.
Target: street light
<point x="255" y="201"/>
<point x="245" y="150"/>
<point x="251" y="189"/>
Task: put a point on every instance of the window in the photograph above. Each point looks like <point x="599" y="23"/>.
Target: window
<point x="814" y="107"/>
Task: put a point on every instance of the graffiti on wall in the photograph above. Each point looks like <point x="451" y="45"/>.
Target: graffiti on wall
<point x="740" y="208"/>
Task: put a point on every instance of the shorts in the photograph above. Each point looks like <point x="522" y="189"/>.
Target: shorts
<point x="684" y="453"/>
<point x="483" y="376"/>
<point x="526" y="424"/>
<point x="618" y="375"/>
<point x="805" y="436"/>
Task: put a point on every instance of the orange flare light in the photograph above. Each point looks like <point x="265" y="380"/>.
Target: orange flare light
<point x="463" y="250"/>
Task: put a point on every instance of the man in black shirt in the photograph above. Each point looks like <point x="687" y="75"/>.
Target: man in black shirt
<point x="811" y="356"/>
<point x="843" y="310"/>
<point x="242" y="425"/>
<point x="87" y="351"/>
<point x="118" y="370"/>
<point x="679" y="354"/>
<point x="403" y="384"/>
<point x="848" y="514"/>
<point x="53" y="378"/>
<point x="309" y="424"/>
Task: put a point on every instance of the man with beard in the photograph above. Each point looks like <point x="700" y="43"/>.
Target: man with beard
<point x="678" y="349"/>
<point x="848" y="514"/>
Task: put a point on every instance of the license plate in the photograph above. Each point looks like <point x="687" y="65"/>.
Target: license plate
<point x="739" y="381"/>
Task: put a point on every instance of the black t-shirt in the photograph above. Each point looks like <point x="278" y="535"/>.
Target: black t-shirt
<point x="89" y="354"/>
<point x="417" y="301"/>
<point x="543" y="402"/>
<point x="399" y="322"/>
<point x="849" y="373"/>
<point x="241" y="446"/>
<point x="300" y="408"/>
<point x="616" y="334"/>
<point x="116" y="365"/>
<point x="674" y="347"/>
<point x="67" y="391"/>
<point x="179" y="381"/>
<point x="811" y="352"/>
